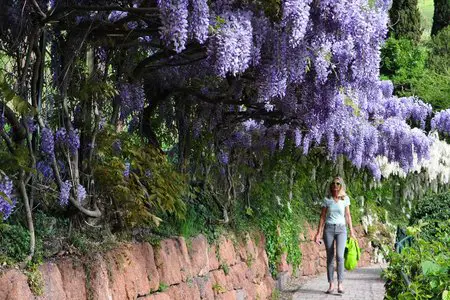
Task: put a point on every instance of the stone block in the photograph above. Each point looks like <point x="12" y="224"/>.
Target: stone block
<point x="220" y="279"/>
<point x="172" y="261"/>
<point x="227" y="253"/>
<point x="73" y="279"/>
<point x="212" y="258"/>
<point x="53" y="285"/>
<point x="184" y="291"/>
<point x="237" y="275"/>
<point x="14" y="286"/>
<point x="150" y="266"/>
<point x="258" y="269"/>
<point x="205" y="284"/>
<point x="198" y="253"/>
<point x="99" y="280"/>
<point x="127" y="267"/>
<point x="229" y="295"/>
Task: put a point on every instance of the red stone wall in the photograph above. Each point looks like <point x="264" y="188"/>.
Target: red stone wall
<point x="187" y="270"/>
<point x="193" y="270"/>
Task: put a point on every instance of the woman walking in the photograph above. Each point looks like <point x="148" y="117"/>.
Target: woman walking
<point x="335" y="214"/>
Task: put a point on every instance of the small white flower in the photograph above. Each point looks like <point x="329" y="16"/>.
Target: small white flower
<point x="268" y="107"/>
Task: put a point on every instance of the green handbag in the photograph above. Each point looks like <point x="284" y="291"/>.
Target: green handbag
<point x="352" y="254"/>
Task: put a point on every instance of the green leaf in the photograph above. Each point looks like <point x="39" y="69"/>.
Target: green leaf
<point x="21" y="105"/>
<point x="249" y="211"/>
<point x="434" y="284"/>
<point x="152" y="198"/>
<point x="4" y="196"/>
<point x="430" y="267"/>
<point x="445" y="295"/>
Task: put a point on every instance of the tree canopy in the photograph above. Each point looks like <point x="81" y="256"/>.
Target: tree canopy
<point x="241" y="76"/>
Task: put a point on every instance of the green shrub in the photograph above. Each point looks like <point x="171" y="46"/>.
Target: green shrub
<point x="434" y="84"/>
<point x="35" y="280"/>
<point x="432" y="209"/>
<point x="153" y="189"/>
<point x="281" y="221"/>
<point x="14" y="243"/>
<point x="402" y="62"/>
<point x="426" y="264"/>
<point x="419" y="70"/>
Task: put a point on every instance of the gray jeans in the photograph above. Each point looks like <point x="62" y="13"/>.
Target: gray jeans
<point x="336" y="233"/>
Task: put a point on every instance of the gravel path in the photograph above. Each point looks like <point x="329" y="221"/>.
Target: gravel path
<point x="360" y="284"/>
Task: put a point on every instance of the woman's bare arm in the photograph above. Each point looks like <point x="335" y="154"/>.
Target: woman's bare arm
<point x="319" y="233"/>
<point x="348" y="218"/>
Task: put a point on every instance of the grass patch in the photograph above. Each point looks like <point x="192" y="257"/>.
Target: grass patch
<point x="163" y="287"/>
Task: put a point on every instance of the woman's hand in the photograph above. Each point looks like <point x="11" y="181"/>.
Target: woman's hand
<point x="352" y="234"/>
<point x="317" y="239"/>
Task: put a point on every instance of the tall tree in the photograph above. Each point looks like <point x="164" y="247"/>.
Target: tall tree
<point x="405" y="20"/>
<point x="441" y="17"/>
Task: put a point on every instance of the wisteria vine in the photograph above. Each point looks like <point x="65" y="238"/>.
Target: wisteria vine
<point x="308" y="75"/>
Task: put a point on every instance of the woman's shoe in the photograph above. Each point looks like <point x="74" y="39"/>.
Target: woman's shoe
<point x="341" y="291"/>
<point x="330" y="291"/>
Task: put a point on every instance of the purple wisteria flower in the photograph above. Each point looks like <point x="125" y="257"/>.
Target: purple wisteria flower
<point x="51" y="3"/>
<point x="251" y="125"/>
<point x="232" y="44"/>
<point x="145" y="39"/>
<point x="441" y="121"/>
<point x="116" y="15"/>
<point x="174" y="20"/>
<point x="132" y="99"/>
<point x="70" y="139"/>
<point x="281" y="139"/>
<point x="45" y="169"/>
<point x="81" y="193"/>
<point x="6" y="206"/>
<point x="61" y="136"/>
<point x="47" y="143"/>
<point x="399" y="142"/>
<point x="65" y="193"/>
<point x="73" y="141"/>
<point x="322" y="61"/>
<point x="199" y="20"/>
<point x="295" y="19"/>
<point x="126" y="172"/>
<point x="407" y="108"/>
<point x="297" y="137"/>
<point x="223" y="157"/>
<point x="387" y="88"/>
<point x="306" y="144"/>
<point x="31" y="124"/>
<point x="101" y="54"/>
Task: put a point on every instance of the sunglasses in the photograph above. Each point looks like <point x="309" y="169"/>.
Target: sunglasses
<point x="335" y="183"/>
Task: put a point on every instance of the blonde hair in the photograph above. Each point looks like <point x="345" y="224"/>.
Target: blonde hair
<point x="342" y="194"/>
